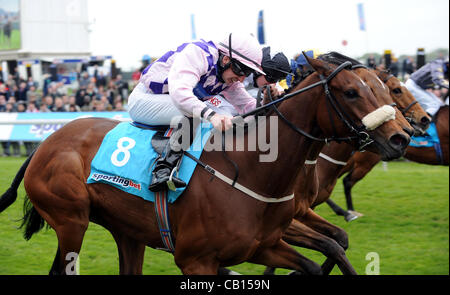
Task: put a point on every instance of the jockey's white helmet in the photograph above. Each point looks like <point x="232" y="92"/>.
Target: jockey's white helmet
<point x="245" y="48"/>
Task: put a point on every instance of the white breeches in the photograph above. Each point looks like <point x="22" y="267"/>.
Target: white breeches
<point x="158" y="109"/>
<point x="427" y="100"/>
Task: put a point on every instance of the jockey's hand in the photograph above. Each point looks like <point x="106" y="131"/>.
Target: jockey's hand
<point x="221" y="122"/>
<point x="273" y="91"/>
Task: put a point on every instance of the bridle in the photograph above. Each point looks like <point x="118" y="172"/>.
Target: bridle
<point x="360" y="132"/>
<point x="402" y="110"/>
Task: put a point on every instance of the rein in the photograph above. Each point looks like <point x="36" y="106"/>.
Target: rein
<point x="233" y="182"/>
<point x="362" y="137"/>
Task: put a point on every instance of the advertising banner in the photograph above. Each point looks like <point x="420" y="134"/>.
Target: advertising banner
<point x="40" y="131"/>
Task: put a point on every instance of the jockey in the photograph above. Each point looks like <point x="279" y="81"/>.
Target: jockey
<point x="427" y="77"/>
<point x="176" y="84"/>
<point x="300" y="67"/>
<point x="275" y="66"/>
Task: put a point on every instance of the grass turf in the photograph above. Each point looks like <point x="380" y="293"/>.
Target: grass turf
<point x="406" y="210"/>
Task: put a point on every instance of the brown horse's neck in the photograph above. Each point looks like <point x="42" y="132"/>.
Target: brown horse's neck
<point x="277" y="178"/>
<point x="295" y="148"/>
<point x="338" y="151"/>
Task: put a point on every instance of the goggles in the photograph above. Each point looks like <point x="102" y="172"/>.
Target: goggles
<point x="269" y="79"/>
<point x="240" y="69"/>
<point x="272" y="79"/>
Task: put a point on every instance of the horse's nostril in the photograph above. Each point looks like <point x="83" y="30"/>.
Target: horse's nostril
<point x="399" y="141"/>
<point x="425" y="120"/>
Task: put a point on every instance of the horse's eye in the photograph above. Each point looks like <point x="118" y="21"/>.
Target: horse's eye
<point x="397" y="90"/>
<point x="352" y="93"/>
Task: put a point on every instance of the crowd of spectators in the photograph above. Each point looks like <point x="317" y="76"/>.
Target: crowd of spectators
<point x="89" y="93"/>
<point x="400" y="69"/>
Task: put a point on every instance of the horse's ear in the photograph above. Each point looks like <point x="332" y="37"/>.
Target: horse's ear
<point x="317" y="65"/>
<point x="308" y="60"/>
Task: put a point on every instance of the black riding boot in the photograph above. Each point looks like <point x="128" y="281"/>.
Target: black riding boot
<point x="163" y="175"/>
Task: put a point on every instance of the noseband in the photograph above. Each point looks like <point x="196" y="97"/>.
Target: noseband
<point x="360" y="131"/>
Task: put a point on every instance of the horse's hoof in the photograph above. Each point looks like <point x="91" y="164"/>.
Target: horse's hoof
<point x="350" y="217"/>
<point x="355" y="213"/>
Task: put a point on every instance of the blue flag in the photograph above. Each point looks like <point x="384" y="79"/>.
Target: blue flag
<point x="194" y="35"/>
<point x="261" y="38"/>
<point x="362" y="21"/>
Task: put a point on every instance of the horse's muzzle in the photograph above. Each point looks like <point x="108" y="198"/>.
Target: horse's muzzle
<point x="399" y="142"/>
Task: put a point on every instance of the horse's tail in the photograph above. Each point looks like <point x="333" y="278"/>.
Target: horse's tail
<point x="32" y="221"/>
<point x="11" y="194"/>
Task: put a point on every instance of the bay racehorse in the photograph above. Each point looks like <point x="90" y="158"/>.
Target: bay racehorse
<point x="213" y="223"/>
<point x="360" y="164"/>
<point x="309" y="229"/>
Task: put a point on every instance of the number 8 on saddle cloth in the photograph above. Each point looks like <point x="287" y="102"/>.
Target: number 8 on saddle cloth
<point x="125" y="159"/>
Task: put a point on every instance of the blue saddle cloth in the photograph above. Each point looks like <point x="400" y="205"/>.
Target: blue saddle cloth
<point x="429" y="140"/>
<point x="125" y="160"/>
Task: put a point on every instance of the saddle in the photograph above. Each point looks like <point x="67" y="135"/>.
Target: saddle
<point x="161" y="138"/>
<point x="170" y="154"/>
<point x="429" y="139"/>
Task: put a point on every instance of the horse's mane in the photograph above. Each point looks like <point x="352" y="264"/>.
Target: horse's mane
<point x="337" y="58"/>
<point x="331" y="57"/>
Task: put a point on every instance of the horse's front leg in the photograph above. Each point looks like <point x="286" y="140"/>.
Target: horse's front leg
<point x="348" y="215"/>
<point x="299" y="234"/>
<point x="207" y="265"/>
<point x="319" y="224"/>
<point x="284" y="256"/>
<point x="131" y="254"/>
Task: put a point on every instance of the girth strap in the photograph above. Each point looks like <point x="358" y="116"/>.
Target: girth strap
<point x="162" y="216"/>
<point x="440" y="158"/>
